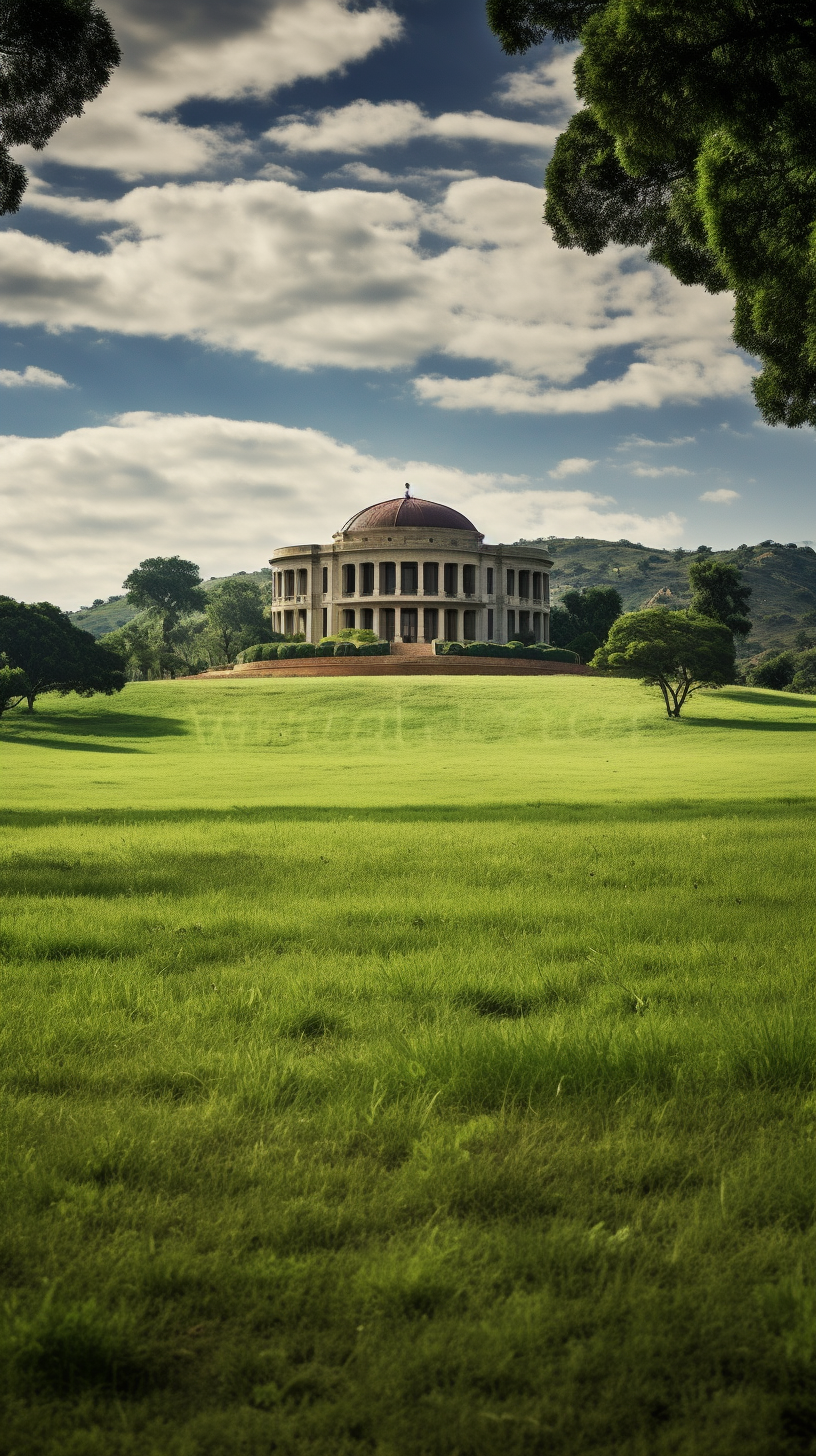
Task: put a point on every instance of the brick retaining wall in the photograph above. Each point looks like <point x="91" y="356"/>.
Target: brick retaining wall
<point x="419" y="666"/>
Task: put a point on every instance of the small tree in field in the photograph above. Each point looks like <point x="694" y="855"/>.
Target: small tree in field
<point x="679" y="652"/>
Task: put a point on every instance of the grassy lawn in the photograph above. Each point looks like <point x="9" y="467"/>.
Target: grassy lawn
<point x="414" y="1067"/>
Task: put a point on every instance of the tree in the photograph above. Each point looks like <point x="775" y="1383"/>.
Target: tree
<point x="13" y="685"/>
<point x="720" y="595"/>
<point x="697" y="141"/>
<point x="56" y="56"/>
<point x="678" y="652"/>
<point x="580" y="612"/>
<point x="55" y="656"/>
<point x="235" y="614"/>
<point x="169" y="588"/>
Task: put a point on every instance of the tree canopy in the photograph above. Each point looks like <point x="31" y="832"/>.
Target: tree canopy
<point x="678" y="652"/>
<point x="55" y="55"/>
<point x="41" y="642"/>
<point x="720" y="595"/>
<point x="169" y="588"/>
<point x="582" y="619"/>
<point x="235" y="615"/>
<point x="697" y="141"/>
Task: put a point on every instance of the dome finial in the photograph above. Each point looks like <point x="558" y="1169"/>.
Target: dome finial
<point x="407" y="491"/>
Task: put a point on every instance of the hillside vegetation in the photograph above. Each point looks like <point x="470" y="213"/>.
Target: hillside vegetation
<point x="417" y="1066"/>
<point x="782" y="581"/>
<point x="782" y="578"/>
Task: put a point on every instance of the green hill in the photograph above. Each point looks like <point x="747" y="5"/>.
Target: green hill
<point x="782" y="580"/>
<point x="104" y="617"/>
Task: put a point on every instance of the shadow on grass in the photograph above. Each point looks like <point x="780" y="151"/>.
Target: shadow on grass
<point x="83" y="731"/>
<point x="768" y="697"/>
<point x="538" y="812"/>
<point x="752" y="724"/>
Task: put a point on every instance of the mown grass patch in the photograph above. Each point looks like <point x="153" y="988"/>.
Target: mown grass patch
<point x="441" y="1081"/>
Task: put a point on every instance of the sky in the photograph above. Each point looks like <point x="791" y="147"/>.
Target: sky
<point x="294" y="256"/>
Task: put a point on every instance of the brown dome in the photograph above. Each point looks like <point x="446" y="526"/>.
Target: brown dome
<point x="410" y="511"/>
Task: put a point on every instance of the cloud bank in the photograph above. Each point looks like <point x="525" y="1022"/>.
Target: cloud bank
<point x="82" y="508"/>
<point x="345" y="278"/>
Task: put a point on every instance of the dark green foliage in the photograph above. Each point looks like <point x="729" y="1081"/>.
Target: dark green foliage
<point x="56" y="56"/>
<point x="262" y="651"/>
<point x="379" y="648"/>
<point x="167" y="587"/>
<point x="531" y="653"/>
<point x="794" y="670"/>
<point x="345" y="649"/>
<point x="592" y="610"/>
<point x="305" y="649"/>
<point x="287" y="649"/>
<point x="675" y="651"/>
<point x="325" y="649"/>
<point x="55" y="657"/>
<point x="235" y="615"/>
<point x="584" y="645"/>
<point x="697" y="142"/>
<point x="719" y="593"/>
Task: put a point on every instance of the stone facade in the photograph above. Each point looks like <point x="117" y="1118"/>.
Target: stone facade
<point x="412" y="570"/>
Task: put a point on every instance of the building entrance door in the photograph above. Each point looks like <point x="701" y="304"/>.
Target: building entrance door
<point x="387" y="628"/>
<point x="408" y="624"/>
<point x="431" y="623"/>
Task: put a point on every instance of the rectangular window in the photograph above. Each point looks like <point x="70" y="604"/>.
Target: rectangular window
<point x="524" y="584"/>
<point x="511" y="626"/>
<point x="367" y="579"/>
<point x="524" y="625"/>
<point x="431" y="624"/>
<point x="325" y="579"/>
<point x="430" y="578"/>
<point x="511" y="583"/>
<point x="545" y="623"/>
<point x="537" y="626"/>
<point x="546" y="585"/>
<point x="348" y="617"/>
<point x="388" y="578"/>
<point x="409" y="578"/>
<point x="490" y="624"/>
<point x="469" y="626"/>
<point x="288" y="623"/>
<point x="469" y="580"/>
<point x="367" y="618"/>
<point x="325" y="619"/>
<point x="387" y="625"/>
<point x="302" y="582"/>
<point x="289" y="585"/>
<point x="302" y="622"/>
<point x="451" y="581"/>
<point x="451" y="626"/>
<point x="349" y="575"/>
<point x="490" y="581"/>
<point x="536" y="586"/>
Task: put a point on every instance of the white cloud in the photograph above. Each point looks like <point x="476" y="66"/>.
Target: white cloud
<point x="653" y="472"/>
<point x="638" y="442"/>
<point x="574" y="465"/>
<point x="173" y="53"/>
<point x="32" y="375"/>
<point x="365" y="126"/>
<point x="720" y="497"/>
<point x="549" y="84"/>
<point x="82" y="508"/>
<point x="342" y="277"/>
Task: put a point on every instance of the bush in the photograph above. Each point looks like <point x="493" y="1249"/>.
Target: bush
<point x="377" y="648"/>
<point x="287" y="649"/>
<point x="325" y="648"/>
<point x="585" y="645"/>
<point x="305" y="649"/>
<point x="804" y="680"/>
<point x="345" y="649"/>
<point x="773" y="672"/>
<point x="356" y="634"/>
<point x="443" y="649"/>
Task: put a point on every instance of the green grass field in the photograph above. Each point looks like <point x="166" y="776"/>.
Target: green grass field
<point x="412" y="1067"/>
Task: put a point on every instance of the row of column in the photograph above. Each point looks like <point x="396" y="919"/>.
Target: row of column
<point x="433" y="621"/>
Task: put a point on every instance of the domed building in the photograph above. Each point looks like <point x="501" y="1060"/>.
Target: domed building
<point x="412" y="571"/>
